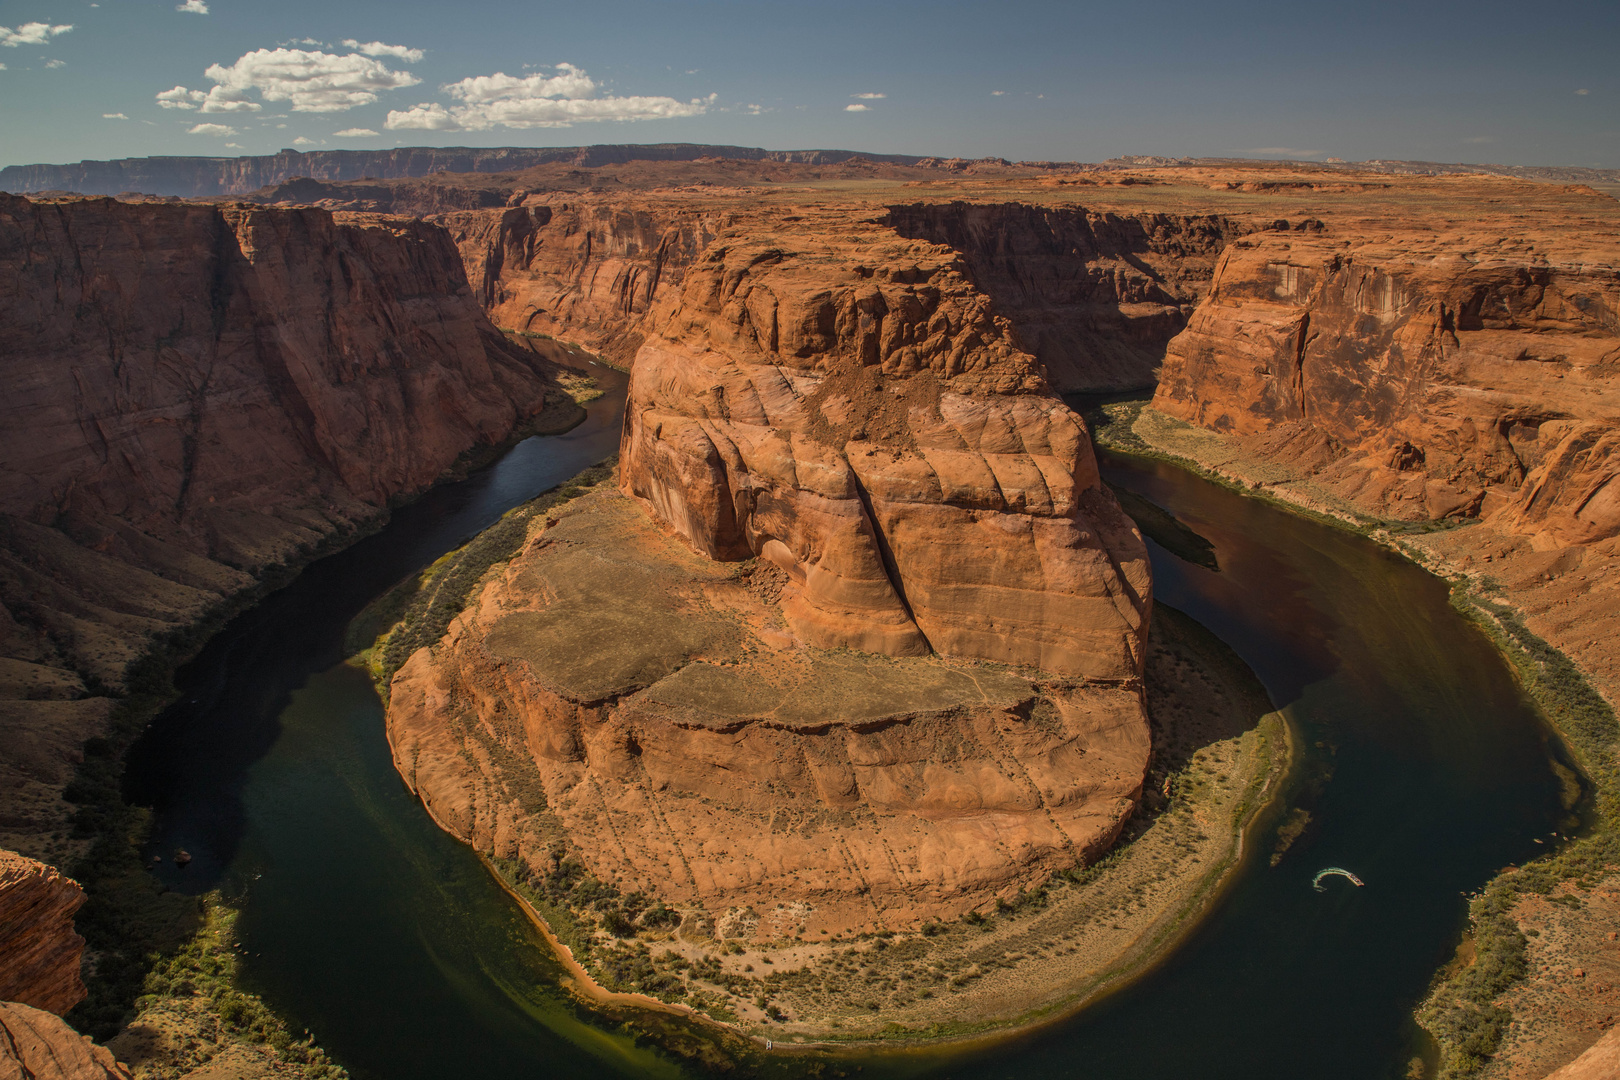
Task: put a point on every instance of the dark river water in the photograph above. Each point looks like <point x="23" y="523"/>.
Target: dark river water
<point x="1422" y="766"/>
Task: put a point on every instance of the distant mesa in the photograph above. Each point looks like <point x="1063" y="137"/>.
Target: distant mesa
<point x="212" y="177"/>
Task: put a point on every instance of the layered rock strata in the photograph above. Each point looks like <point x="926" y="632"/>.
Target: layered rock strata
<point x="1095" y="295"/>
<point x="195" y="393"/>
<point x="586" y="268"/>
<point x="842" y="415"/>
<point x="1422" y="379"/>
<point x="39" y="952"/>
<point x="613" y="696"/>
<point x="854" y="412"/>
<point x="34" y="1045"/>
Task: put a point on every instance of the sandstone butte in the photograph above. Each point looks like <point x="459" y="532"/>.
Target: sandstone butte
<point x="1411" y="347"/>
<point x="843" y="407"/>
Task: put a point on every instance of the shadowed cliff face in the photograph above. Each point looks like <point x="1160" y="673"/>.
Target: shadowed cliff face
<point x="1430" y="379"/>
<point x="195" y="393"/>
<point x="584" y="268"/>
<point x="1095" y="295"/>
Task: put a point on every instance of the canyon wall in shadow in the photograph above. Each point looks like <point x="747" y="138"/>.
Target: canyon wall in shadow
<point x="196" y="393"/>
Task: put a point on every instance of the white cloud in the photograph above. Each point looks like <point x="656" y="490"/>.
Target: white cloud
<point x="193" y="7"/>
<point x="428" y="116"/>
<point x="569" y="97"/>
<point x="34" y="33"/>
<point x="355" y="133"/>
<point x="1480" y="139"/>
<point x="377" y="48"/>
<point x="315" y="81"/>
<point x="1583" y="93"/>
<point x="869" y="97"/>
<point x="756" y="110"/>
<point x="219" y="99"/>
<point x="301" y="141"/>
<point x="856" y="108"/>
<point x="212" y="129"/>
<point x="234" y="145"/>
<point x="113" y="116"/>
<point x="998" y="93"/>
<point x="54" y="64"/>
<point x="2" y="67"/>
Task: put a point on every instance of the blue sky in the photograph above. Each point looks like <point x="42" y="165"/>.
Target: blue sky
<point x="1493" y="82"/>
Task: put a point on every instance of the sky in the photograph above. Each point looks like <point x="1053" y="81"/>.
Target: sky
<point x="1506" y="83"/>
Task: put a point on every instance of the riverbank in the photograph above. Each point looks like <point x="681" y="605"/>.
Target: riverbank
<point x="1544" y="610"/>
<point x="1221" y="753"/>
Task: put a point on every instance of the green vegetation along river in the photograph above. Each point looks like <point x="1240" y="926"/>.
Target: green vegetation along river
<point x="1423" y="770"/>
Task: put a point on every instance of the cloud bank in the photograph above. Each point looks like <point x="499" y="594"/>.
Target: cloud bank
<point x="34" y="33"/>
<point x="536" y="101"/>
<point x="310" y="80"/>
<point x="377" y="48"/>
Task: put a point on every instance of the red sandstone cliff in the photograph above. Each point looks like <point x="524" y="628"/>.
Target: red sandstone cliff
<point x="1426" y="377"/>
<point x="34" y="1045"/>
<point x="850" y="408"/>
<point x="39" y="952"/>
<point x="1096" y="295"/>
<point x="193" y="393"/>
<point x="587" y="268"/>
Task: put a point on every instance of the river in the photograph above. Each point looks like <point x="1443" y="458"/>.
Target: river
<point x="1423" y="767"/>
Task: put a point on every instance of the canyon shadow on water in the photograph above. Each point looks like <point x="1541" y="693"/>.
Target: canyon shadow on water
<point x="1422" y="766"/>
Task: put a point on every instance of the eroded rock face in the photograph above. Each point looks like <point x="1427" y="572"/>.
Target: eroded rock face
<point x="1428" y="379"/>
<point x="1095" y="295"/>
<point x="194" y="393"/>
<point x="854" y="412"/>
<point x="884" y="664"/>
<point x="584" y="267"/>
<point x="616" y="697"/>
<point x="39" y="952"/>
<point x="38" y="1046"/>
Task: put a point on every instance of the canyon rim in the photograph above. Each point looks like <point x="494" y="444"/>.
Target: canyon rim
<point x="849" y="664"/>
